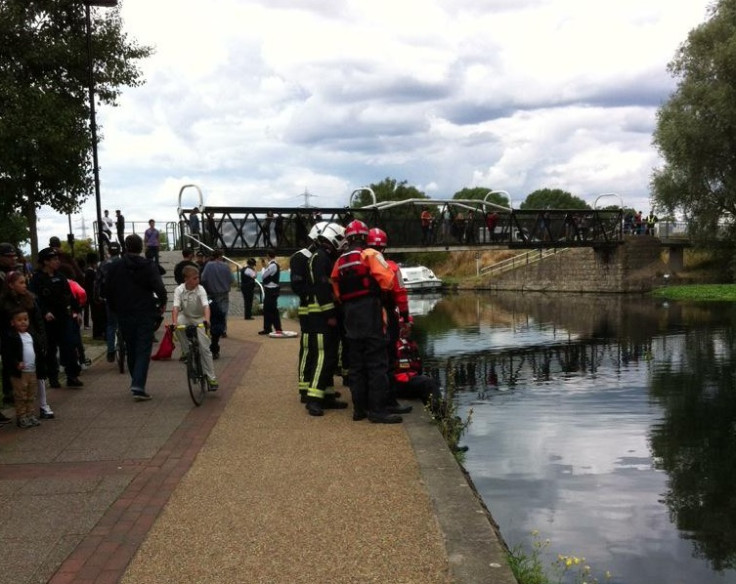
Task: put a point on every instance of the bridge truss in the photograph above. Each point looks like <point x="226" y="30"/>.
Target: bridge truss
<point x="455" y="225"/>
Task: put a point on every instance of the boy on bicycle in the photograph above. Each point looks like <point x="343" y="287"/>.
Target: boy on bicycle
<point x="192" y="307"/>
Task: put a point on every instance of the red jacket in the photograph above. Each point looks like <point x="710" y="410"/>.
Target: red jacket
<point x="408" y="361"/>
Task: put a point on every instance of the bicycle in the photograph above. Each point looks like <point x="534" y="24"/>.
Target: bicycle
<point x="196" y="379"/>
<point x="120" y="350"/>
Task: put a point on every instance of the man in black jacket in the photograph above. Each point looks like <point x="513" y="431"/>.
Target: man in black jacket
<point x="57" y="305"/>
<point x="136" y="293"/>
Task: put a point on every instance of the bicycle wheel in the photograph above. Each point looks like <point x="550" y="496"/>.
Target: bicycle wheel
<point x="120" y="352"/>
<point x="195" y="379"/>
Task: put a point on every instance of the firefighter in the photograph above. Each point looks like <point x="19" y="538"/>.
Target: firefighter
<point x="397" y="312"/>
<point x="323" y="335"/>
<point x="409" y="379"/>
<point x="299" y="269"/>
<point x="361" y="278"/>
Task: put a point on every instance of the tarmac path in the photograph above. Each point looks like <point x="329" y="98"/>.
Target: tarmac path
<point x="247" y="488"/>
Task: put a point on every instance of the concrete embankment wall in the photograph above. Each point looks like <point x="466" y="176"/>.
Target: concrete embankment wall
<point x="634" y="266"/>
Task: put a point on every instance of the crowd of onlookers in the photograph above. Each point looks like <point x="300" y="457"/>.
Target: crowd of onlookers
<point x="42" y="311"/>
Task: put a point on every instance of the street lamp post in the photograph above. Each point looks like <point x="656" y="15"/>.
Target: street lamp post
<point x="93" y="115"/>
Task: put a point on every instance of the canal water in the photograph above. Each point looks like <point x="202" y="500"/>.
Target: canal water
<point x="607" y="425"/>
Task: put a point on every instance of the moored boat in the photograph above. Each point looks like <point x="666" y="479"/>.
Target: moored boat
<point x="420" y="279"/>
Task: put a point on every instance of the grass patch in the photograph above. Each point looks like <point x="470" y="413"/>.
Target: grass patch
<point x="699" y="292"/>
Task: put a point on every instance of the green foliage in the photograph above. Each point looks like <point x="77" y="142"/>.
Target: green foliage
<point x="451" y="426"/>
<point x="14" y="229"/>
<point x="81" y="248"/>
<point x="45" y="135"/>
<point x="696" y="128"/>
<point x="389" y="189"/>
<point x="528" y="565"/>
<point x="698" y="292"/>
<point x="480" y="194"/>
<point x="553" y="199"/>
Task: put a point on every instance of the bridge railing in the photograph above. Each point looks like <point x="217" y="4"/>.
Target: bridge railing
<point x="253" y="230"/>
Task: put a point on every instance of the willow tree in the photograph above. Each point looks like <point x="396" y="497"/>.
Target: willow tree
<point x="45" y="131"/>
<point x="696" y="128"/>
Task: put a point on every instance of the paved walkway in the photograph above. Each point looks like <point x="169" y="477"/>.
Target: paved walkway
<point x="245" y="489"/>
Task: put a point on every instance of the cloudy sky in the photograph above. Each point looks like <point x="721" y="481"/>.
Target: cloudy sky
<point x="256" y="101"/>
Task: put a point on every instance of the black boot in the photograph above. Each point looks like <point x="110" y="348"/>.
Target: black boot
<point x="384" y="418"/>
<point x="314" y="407"/>
<point x="398" y="409"/>
<point x="331" y="403"/>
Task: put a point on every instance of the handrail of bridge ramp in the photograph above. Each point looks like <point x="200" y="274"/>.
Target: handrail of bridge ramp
<point x="181" y="192"/>
<point x="224" y="257"/>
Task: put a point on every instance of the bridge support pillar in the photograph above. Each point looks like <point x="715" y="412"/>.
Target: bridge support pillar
<point x="677" y="259"/>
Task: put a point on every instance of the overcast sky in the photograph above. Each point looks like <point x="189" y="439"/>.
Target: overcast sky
<point x="256" y="101"/>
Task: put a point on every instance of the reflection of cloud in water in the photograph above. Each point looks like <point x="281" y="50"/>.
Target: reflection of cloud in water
<point x="485" y="337"/>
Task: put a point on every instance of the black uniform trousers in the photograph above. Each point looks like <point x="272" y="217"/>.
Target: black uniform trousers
<point x="368" y="373"/>
<point x="271" y="317"/>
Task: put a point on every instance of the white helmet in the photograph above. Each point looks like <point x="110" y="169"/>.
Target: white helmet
<point x="334" y="234"/>
<point x="317" y="229"/>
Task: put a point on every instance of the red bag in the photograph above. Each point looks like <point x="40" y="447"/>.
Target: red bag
<point x="166" y="346"/>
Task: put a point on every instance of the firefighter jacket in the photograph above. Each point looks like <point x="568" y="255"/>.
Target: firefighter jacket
<point x="299" y="270"/>
<point x="321" y="306"/>
<point x="399" y="294"/>
<point x="360" y="278"/>
<point x="408" y="361"/>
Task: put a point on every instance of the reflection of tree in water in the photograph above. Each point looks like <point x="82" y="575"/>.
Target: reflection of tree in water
<point x="696" y="443"/>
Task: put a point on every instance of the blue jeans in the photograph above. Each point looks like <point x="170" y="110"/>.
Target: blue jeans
<point x="112" y="327"/>
<point x="137" y="331"/>
<point x="222" y="299"/>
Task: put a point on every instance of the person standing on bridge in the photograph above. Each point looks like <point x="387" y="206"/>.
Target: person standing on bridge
<point x="652" y="221"/>
<point x="426" y="221"/>
<point x="194" y="229"/>
<point x="446" y="218"/>
<point x="120" y="227"/>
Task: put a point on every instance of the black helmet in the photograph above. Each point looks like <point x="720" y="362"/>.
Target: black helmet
<point x="114" y="248"/>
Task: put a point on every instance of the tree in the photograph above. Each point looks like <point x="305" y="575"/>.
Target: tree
<point x="389" y="189"/>
<point x="553" y="199"/>
<point x="45" y="137"/>
<point x="13" y="228"/>
<point x="480" y="194"/>
<point x="696" y="128"/>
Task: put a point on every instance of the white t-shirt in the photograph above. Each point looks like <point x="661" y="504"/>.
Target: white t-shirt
<point x="190" y="303"/>
<point x="29" y="354"/>
<point x="107" y="224"/>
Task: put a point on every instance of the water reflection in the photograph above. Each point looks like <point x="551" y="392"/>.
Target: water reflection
<point x="607" y="423"/>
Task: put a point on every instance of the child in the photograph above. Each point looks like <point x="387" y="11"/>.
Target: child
<point x="14" y="296"/>
<point x="191" y="307"/>
<point x="20" y="349"/>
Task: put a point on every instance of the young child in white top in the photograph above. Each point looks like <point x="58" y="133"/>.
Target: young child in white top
<point x="21" y="358"/>
<point x="192" y="307"/>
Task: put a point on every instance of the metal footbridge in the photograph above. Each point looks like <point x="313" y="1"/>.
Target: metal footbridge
<point x="455" y="225"/>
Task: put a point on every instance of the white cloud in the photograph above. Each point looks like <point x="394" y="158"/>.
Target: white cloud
<point x="259" y="100"/>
